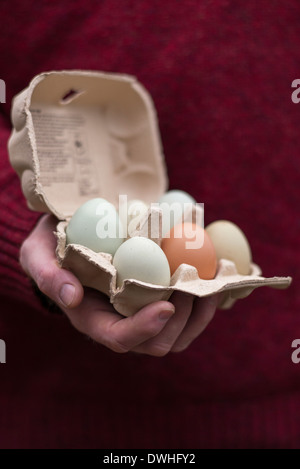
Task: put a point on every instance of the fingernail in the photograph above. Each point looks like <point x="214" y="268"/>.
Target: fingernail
<point x="166" y="314"/>
<point x="66" y="294"/>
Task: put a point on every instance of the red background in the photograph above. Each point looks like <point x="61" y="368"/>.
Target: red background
<point x="220" y="75"/>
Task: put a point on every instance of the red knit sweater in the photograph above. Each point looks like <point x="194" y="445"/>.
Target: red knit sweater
<point x="220" y="74"/>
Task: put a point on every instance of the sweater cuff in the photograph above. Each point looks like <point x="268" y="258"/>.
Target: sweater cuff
<point x="17" y="221"/>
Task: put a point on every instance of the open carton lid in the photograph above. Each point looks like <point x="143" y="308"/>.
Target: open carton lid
<point x="82" y="134"/>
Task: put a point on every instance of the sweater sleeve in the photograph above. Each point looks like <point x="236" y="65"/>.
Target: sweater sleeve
<point x="16" y="222"/>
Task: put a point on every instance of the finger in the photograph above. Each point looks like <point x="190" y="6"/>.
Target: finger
<point x="203" y="312"/>
<point x="97" y="318"/>
<point x="162" y="343"/>
<point x="37" y="257"/>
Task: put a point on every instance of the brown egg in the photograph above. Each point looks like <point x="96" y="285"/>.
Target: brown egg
<point x="188" y="243"/>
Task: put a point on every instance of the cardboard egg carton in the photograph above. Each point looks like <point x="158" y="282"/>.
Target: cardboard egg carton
<point x="82" y="134"/>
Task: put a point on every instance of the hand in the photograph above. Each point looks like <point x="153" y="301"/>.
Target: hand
<point x="156" y="329"/>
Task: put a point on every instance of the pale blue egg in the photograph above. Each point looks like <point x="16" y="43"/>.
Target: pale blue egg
<point x="173" y="204"/>
<point x="96" y="225"/>
<point x="141" y="259"/>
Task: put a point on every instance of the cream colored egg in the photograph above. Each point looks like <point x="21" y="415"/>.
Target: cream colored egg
<point x="131" y="213"/>
<point x="231" y="243"/>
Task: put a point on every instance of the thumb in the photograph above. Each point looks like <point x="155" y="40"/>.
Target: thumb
<point x="37" y="257"/>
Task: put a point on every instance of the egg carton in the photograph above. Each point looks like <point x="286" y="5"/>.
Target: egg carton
<point x="83" y="134"/>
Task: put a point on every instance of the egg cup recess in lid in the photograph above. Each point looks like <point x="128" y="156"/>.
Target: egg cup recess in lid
<point x="80" y="135"/>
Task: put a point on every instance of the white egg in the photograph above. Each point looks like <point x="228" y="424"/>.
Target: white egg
<point x="141" y="259"/>
<point x="173" y="206"/>
<point x="231" y="243"/>
<point x="96" y="225"/>
<point x="132" y="213"/>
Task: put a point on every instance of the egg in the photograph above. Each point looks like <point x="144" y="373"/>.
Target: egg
<point x="96" y="225"/>
<point x="141" y="259"/>
<point x="132" y="213"/>
<point x="188" y="243"/>
<point x="231" y="243"/>
<point x="172" y="206"/>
